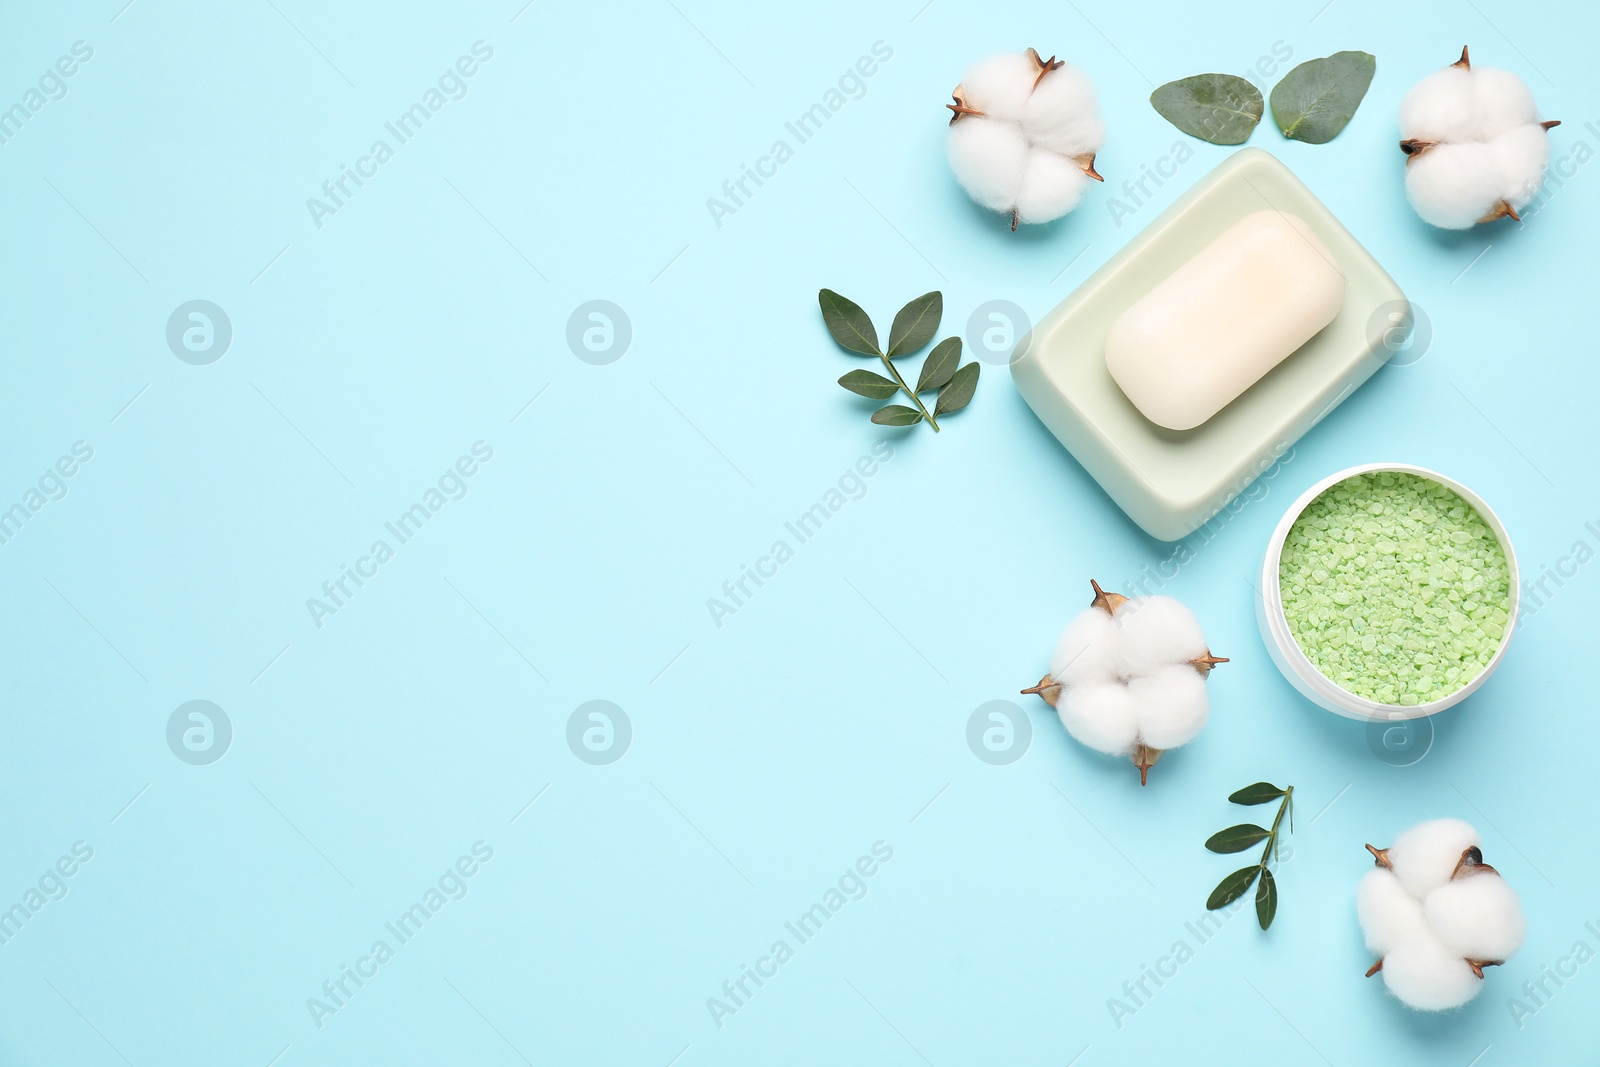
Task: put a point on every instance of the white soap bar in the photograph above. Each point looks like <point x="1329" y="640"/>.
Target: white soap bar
<point x="1225" y="318"/>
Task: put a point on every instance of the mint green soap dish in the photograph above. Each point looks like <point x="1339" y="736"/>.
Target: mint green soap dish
<point x="1171" y="481"/>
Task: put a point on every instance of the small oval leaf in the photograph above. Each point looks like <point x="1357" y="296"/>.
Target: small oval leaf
<point x="1318" y="98"/>
<point x="897" y="415"/>
<point x="1219" y="108"/>
<point x="957" y="393"/>
<point x="867" y="384"/>
<point x="1236" y="838"/>
<point x="1231" y="888"/>
<point x="940" y="365"/>
<point x="1259" y="793"/>
<point x="1266" y="899"/>
<point x="850" y="326"/>
<point x="915" y="324"/>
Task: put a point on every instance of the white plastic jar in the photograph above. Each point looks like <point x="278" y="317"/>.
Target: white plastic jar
<point x="1299" y="670"/>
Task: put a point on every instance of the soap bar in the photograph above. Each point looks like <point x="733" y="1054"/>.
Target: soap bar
<point x="1225" y="318"/>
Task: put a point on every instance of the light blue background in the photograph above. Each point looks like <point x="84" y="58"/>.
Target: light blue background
<point x="830" y="712"/>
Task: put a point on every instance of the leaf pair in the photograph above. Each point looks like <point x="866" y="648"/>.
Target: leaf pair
<point x="1312" y="103"/>
<point x="1240" y="837"/>
<point x="1233" y="887"/>
<point x="914" y="326"/>
<point x="937" y="371"/>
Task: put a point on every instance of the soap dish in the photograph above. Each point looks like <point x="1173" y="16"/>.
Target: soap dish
<point x="1171" y="482"/>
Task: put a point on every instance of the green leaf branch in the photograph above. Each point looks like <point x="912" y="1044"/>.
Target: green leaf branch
<point x="1240" y="837"/>
<point x="913" y="328"/>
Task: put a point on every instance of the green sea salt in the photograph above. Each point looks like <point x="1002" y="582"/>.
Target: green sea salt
<point x="1395" y="588"/>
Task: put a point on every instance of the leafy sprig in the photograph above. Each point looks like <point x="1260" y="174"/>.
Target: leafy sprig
<point x="1240" y="837"/>
<point x="914" y="326"/>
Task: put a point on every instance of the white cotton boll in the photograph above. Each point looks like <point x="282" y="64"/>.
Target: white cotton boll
<point x="1502" y="100"/>
<point x="1114" y="705"/>
<point x="1158" y="631"/>
<point x="1453" y="186"/>
<point x="1387" y="912"/>
<point x="1024" y="136"/>
<point x="1521" y="154"/>
<point x="1434" y="932"/>
<point x="1104" y="717"/>
<point x="1478" y="917"/>
<point x="1425" y="856"/>
<point x="1052" y="185"/>
<point x="1475" y="148"/>
<point x="1089" y="651"/>
<point x="1172" y="705"/>
<point x="988" y="159"/>
<point x="1063" y="115"/>
<point x="1427" y="975"/>
<point x="1000" y="87"/>
<point x="1441" y="107"/>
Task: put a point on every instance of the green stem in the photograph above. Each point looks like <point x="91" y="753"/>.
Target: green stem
<point x="907" y="389"/>
<point x="1272" y="835"/>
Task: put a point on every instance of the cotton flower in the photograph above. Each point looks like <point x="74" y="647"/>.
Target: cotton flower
<point x="1475" y="148"/>
<point x="1024" y="134"/>
<point x="1436" y="915"/>
<point x="1128" y="677"/>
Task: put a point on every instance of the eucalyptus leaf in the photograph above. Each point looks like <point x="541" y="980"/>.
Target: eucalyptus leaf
<point x="897" y="415"/>
<point x="1232" y="887"/>
<point x="940" y="364"/>
<point x="1237" y="838"/>
<point x="1219" y="108"/>
<point x="1317" y="99"/>
<point x="1266" y="899"/>
<point x="1260" y="793"/>
<point x="867" y="384"/>
<point x="850" y="326"/>
<point x="915" y="324"/>
<point x="957" y="393"/>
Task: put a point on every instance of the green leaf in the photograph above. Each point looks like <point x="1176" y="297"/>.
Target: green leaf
<point x="849" y="325"/>
<point x="1219" y="108"/>
<point x="1236" y="838"/>
<point x="897" y="415"/>
<point x="957" y="393"/>
<point x="865" y="383"/>
<point x="940" y="364"/>
<point x="1259" y="793"/>
<point x="1318" y="98"/>
<point x="1231" y="888"/>
<point x="1266" y="899"/>
<point x="915" y="324"/>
